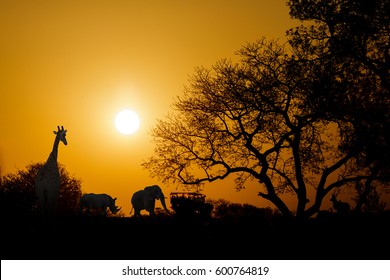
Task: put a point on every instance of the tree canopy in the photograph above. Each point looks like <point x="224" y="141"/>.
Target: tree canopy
<point x="351" y="40"/>
<point x="299" y="118"/>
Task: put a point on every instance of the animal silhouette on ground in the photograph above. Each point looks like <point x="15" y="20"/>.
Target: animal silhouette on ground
<point x="340" y="206"/>
<point x="98" y="203"/>
<point x="48" y="181"/>
<point x="145" y="199"/>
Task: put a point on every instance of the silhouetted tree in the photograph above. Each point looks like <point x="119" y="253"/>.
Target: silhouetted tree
<point x="373" y="202"/>
<point x="349" y="41"/>
<point x="260" y="120"/>
<point x="17" y="193"/>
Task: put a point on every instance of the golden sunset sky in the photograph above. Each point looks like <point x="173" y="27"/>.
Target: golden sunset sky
<point x="78" y="63"/>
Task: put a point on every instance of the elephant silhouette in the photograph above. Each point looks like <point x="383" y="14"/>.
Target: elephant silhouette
<point x="145" y="200"/>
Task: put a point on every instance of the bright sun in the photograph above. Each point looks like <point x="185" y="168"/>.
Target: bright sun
<point x="127" y="122"/>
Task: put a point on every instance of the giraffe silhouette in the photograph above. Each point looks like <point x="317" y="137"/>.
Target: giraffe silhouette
<point x="47" y="182"/>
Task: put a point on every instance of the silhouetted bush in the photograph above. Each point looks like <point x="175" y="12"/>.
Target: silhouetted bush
<point x="17" y="193"/>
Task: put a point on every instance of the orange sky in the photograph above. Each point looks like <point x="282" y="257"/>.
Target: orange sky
<point x="77" y="63"/>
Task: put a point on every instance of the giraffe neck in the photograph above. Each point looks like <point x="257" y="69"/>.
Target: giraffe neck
<point x="54" y="153"/>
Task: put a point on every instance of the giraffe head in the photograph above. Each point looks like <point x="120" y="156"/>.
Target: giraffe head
<point x="61" y="134"/>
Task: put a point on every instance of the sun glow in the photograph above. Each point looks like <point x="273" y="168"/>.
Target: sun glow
<point x="127" y="122"/>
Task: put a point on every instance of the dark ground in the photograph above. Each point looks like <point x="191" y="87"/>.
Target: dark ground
<point x="162" y="237"/>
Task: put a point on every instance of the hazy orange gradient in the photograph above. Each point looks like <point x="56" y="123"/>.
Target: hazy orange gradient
<point x="77" y="63"/>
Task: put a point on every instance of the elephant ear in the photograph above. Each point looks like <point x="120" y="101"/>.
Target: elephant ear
<point x="153" y="189"/>
<point x="156" y="189"/>
<point x="149" y="192"/>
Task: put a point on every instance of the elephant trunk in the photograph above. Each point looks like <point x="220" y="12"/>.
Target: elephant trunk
<point x="162" y="199"/>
